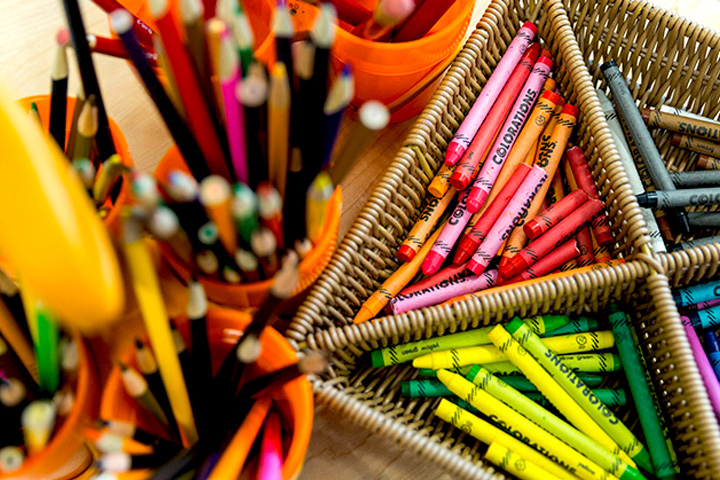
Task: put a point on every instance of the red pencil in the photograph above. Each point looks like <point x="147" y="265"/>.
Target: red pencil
<point x="141" y="29"/>
<point x="419" y="23"/>
<point x="198" y="115"/>
<point x="115" y="48"/>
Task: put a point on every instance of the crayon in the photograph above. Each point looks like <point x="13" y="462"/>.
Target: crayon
<point x="706" y="162"/>
<point x="450" y="273"/>
<point x="440" y="183"/>
<point x="546" y="219"/>
<point x="567" y="379"/>
<point x="584" y="180"/>
<point x="661" y="456"/>
<point x="701" y="305"/>
<point x="706" y="318"/>
<point x="631" y="168"/>
<point x="443" y="291"/>
<point x="514" y="464"/>
<point x="548" y="263"/>
<point x="408" y="351"/>
<point x="489" y="94"/>
<point x="569" y="458"/>
<point x="556" y="236"/>
<point x="696" y="243"/>
<point x="508" y="134"/>
<point x="706" y="129"/>
<point x="470" y="242"/>
<point x="712" y="345"/>
<point x="487" y="433"/>
<point x="549" y="154"/>
<point x="683" y="113"/>
<point x="641" y="136"/>
<point x="577" y="325"/>
<point x="711" y="382"/>
<point x="609" y="396"/>
<point x="477" y="151"/>
<point x="418" y="387"/>
<point x="459" y="357"/>
<point x="548" y="421"/>
<point x="394" y="283"/>
<point x="503" y="226"/>
<point x="550" y="389"/>
<point x="445" y="242"/>
<point x="679" y="198"/>
<point x="520" y="383"/>
<point x="698" y="293"/>
<point x="434" y="209"/>
<point x="695" y="179"/>
<point x="555" y="192"/>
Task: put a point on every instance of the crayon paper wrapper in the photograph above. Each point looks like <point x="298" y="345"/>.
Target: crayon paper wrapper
<point x="443" y="291"/>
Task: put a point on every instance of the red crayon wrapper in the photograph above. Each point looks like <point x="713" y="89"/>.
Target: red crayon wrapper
<point x="554" y="237"/>
<point x="466" y="169"/>
<point x="585" y="246"/>
<point x="559" y="256"/>
<point x="584" y="179"/>
<point x="451" y="273"/>
<point x="545" y="220"/>
<point x="469" y="243"/>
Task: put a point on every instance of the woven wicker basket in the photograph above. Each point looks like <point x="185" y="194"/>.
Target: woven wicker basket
<point x="675" y="62"/>
<point x="367" y="256"/>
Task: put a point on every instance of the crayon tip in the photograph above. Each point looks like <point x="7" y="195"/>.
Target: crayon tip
<point x="642" y="458"/>
<point x="603" y="236"/>
<point x="545" y="60"/>
<point x="503" y="263"/>
<point x="645" y="114"/>
<point x="363" y="315"/>
<point x="405" y="389"/>
<point x="454" y="153"/>
<point x="426" y="361"/>
<point x="406" y="253"/>
<point x="531" y="26"/>
<point x="571" y="110"/>
<point x="432" y="263"/>
<point x="376" y="359"/>
<point x="552" y="96"/>
<point x="466" y="249"/>
<point x="475" y="199"/>
<point x="607" y="65"/>
<point x="460" y="181"/>
<point x="475" y="267"/>
<point x="513" y="267"/>
<point x="676" y="139"/>
<point x="532" y="229"/>
<point x="473" y="372"/>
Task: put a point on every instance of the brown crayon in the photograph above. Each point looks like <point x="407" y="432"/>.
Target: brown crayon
<point x="699" y="145"/>
<point x="708" y="163"/>
<point x="681" y="124"/>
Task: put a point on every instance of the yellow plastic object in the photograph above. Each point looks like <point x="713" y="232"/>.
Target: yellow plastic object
<point x="49" y="229"/>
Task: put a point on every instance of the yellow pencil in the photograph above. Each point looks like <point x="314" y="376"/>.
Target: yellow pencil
<point x="278" y="105"/>
<point x="152" y="308"/>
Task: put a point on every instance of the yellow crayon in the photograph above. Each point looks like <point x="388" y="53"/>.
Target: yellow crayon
<point x="552" y="391"/>
<point x="441" y="182"/>
<point x="487" y="433"/>
<point x="584" y="362"/>
<point x="520" y="426"/>
<point x="514" y="464"/>
<point x="460" y="357"/>
<point x="584" y="397"/>
<point x="550" y="422"/>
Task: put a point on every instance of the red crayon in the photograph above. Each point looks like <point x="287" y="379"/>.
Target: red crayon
<point x="450" y="273"/>
<point x="467" y="167"/>
<point x="554" y="237"/>
<point x="559" y="256"/>
<point x="546" y="219"/>
<point x="584" y="179"/>
<point x="585" y="246"/>
<point x="469" y="243"/>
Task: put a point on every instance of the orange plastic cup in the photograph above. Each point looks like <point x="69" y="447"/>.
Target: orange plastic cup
<point x="294" y="399"/>
<point x="67" y="456"/>
<point x="252" y="294"/>
<point x="121" y="145"/>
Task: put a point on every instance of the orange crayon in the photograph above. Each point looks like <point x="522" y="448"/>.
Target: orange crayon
<point x="422" y="228"/>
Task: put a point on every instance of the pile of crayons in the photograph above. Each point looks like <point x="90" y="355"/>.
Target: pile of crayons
<point x="206" y="424"/>
<point x="524" y="389"/>
<point x="699" y="306"/>
<point x="525" y="206"/>
<point x="272" y="136"/>
<point x="38" y="376"/>
<point x="663" y="206"/>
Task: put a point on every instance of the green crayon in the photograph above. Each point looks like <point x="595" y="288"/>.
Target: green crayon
<point x="611" y="397"/>
<point x="518" y="382"/>
<point x="584" y="397"/>
<point x="554" y="425"/>
<point x="430" y="373"/>
<point x="471" y="338"/>
<point x="658" y="444"/>
<point x="581" y="324"/>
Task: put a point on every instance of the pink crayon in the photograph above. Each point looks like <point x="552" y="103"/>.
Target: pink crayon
<point x="443" y="291"/>
<point x="706" y="372"/>
<point x="508" y="134"/>
<point x="701" y="306"/>
<point x="448" y="237"/>
<point x="448" y="274"/>
<point x="484" y="102"/>
<point x="514" y="210"/>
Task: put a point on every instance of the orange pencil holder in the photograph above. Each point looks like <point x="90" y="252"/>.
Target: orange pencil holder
<point x="294" y="399"/>
<point x="67" y="456"/>
<point x="252" y="294"/>
<point x="121" y="145"/>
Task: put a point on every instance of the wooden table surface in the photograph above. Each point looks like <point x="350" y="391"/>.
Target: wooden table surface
<point x="28" y="30"/>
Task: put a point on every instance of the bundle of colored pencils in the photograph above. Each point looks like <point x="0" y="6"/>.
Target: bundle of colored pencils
<point x="205" y="424"/>
<point x="510" y="204"/>
<point x="38" y="376"/>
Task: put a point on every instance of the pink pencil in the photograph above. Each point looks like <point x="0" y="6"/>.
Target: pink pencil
<point x="448" y="237"/>
<point x="508" y="134"/>
<point x="270" y="464"/>
<point x="515" y="209"/>
<point x="706" y="372"/>
<point x="443" y="291"/>
<point x="229" y="76"/>
<point x="475" y="117"/>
